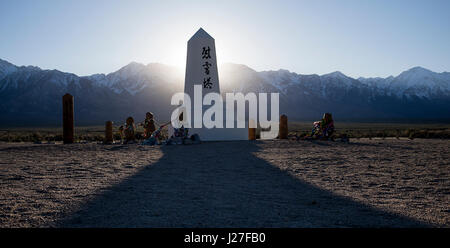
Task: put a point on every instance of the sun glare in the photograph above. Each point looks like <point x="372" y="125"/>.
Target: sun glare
<point x="173" y="50"/>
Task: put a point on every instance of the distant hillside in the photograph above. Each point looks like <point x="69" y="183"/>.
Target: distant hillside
<point x="30" y="96"/>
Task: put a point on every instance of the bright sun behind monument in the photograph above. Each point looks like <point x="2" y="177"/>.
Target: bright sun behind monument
<point x="175" y="47"/>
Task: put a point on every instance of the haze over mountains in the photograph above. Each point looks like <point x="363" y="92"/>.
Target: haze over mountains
<point x="30" y="96"/>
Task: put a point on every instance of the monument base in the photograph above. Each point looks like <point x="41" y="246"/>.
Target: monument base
<point x="221" y="134"/>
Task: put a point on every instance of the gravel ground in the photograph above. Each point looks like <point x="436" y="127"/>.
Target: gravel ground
<point x="365" y="183"/>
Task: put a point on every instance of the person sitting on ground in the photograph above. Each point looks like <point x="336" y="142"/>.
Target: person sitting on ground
<point x="129" y="130"/>
<point x="323" y="129"/>
<point x="149" y="125"/>
<point x="155" y="137"/>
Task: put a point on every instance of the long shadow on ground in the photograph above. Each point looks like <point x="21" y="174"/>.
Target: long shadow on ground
<point x="217" y="185"/>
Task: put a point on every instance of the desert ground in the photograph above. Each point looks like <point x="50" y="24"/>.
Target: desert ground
<point x="278" y="183"/>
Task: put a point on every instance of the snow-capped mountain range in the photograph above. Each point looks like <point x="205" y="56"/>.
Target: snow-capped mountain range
<point x="32" y="96"/>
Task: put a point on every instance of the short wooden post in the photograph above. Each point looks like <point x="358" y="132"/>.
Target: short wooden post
<point x="283" y="132"/>
<point x="68" y="126"/>
<point x="108" y="132"/>
<point x="251" y="130"/>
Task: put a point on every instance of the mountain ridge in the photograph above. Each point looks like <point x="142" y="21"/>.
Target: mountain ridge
<point x="31" y="93"/>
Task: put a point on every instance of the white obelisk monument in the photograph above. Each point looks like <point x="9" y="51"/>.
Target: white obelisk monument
<point x="201" y="70"/>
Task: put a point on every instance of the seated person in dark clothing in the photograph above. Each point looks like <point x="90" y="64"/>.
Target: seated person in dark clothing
<point x="323" y="129"/>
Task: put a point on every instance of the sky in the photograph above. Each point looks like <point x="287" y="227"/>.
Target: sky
<point x="365" y="38"/>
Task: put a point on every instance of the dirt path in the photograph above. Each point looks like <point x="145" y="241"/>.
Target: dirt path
<point x="389" y="183"/>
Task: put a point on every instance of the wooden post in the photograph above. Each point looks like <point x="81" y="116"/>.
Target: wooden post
<point x="251" y="131"/>
<point x="68" y="119"/>
<point x="108" y="133"/>
<point x="283" y="132"/>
